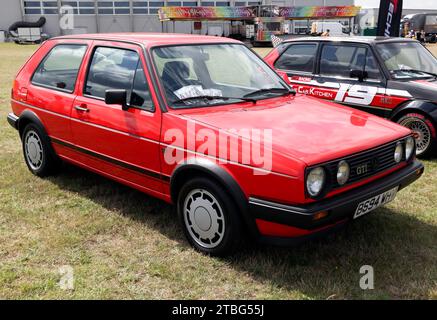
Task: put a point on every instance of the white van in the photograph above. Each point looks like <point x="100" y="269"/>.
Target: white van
<point x="335" y="28"/>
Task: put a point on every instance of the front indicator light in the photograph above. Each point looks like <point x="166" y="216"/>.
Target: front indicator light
<point x="320" y="215"/>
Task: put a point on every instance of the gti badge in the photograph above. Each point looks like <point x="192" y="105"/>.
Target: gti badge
<point x="361" y="169"/>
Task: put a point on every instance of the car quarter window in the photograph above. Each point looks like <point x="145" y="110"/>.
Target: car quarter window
<point x="111" y="68"/>
<point x="339" y="60"/>
<point x="60" y="67"/>
<point x="298" y="57"/>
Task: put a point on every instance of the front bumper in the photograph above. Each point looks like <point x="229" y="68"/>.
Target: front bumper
<point x="13" y="120"/>
<point x="340" y="208"/>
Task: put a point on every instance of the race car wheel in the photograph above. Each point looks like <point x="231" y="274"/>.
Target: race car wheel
<point x="424" y="131"/>
<point x="209" y="217"/>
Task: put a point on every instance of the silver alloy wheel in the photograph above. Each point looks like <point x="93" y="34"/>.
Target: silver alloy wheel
<point x="204" y="218"/>
<point x="422" y="133"/>
<point x="33" y="150"/>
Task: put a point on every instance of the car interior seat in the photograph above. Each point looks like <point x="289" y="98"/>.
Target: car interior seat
<point x="175" y="75"/>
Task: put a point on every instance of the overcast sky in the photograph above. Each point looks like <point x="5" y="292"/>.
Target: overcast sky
<point x="408" y="4"/>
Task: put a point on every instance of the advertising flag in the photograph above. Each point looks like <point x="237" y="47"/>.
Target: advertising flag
<point x="389" y="20"/>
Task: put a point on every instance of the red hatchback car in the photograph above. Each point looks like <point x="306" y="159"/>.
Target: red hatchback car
<point x="204" y="123"/>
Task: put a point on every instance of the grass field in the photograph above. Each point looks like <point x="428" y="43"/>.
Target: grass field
<point x="124" y="244"/>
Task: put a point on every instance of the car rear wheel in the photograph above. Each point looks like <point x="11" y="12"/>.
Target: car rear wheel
<point x="209" y="217"/>
<point x="424" y="131"/>
<point x="38" y="154"/>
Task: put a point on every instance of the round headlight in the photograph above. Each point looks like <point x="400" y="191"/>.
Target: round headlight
<point x="315" y="181"/>
<point x="398" y="152"/>
<point x="343" y="172"/>
<point x="410" y="143"/>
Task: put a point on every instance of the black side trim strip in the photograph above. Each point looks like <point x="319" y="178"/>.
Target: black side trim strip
<point x="146" y="172"/>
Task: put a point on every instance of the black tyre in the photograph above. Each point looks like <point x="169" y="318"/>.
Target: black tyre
<point x="424" y="130"/>
<point x="209" y="217"/>
<point x="38" y="152"/>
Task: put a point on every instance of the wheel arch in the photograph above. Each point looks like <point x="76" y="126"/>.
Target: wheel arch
<point x="201" y="167"/>
<point x="26" y="117"/>
<point x="426" y="108"/>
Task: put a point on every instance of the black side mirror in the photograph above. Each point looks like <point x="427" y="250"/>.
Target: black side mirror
<point x="116" y="96"/>
<point x="360" y="74"/>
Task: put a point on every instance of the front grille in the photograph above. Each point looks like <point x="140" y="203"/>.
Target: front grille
<point x="364" y="164"/>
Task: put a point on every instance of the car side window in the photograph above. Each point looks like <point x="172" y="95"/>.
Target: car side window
<point x="60" y="67"/>
<point x="372" y="68"/>
<point x="338" y="60"/>
<point x="140" y="96"/>
<point x="298" y="57"/>
<point x="111" y="68"/>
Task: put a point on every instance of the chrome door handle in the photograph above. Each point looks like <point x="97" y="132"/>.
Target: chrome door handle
<point x="81" y="109"/>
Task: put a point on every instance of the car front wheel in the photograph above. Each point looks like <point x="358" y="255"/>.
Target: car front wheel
<point x="424" y="131"/>
<point x="209" y="217"/>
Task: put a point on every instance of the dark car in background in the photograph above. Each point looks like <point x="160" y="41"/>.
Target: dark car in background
<point x="391" y="77"/>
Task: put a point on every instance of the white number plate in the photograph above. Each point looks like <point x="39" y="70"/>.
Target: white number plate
<point x="375" y="202"/>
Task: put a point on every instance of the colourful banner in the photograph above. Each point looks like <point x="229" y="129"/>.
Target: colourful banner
<point x="319" y="12"/>
<point x="248" y="13"/>
<point x="206" y="13"/>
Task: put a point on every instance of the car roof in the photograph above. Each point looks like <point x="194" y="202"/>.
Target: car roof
<point x="151" y="39"/>
<point x="359" y="39"/>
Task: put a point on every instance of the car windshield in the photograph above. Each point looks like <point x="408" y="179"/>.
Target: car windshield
<point x="406" y="60"/>
<point x="214" y="74"/>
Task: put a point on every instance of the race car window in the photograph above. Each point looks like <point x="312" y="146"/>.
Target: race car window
<point x="339" y="60"/>
<point x="406" y="60"/>
<point x="373" y="71"/>
<point x="298" y="57"/>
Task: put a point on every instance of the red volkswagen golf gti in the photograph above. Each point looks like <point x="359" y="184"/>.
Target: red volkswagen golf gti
<point x="203" y="123"/>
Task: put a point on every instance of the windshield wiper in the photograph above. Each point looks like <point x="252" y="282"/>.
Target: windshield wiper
<point x="270" y="90"/>
<point x="213" y="98"/>
<point x="416" y="71"/>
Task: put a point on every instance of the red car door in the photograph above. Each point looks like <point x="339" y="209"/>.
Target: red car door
<point x="121" y="143"/>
